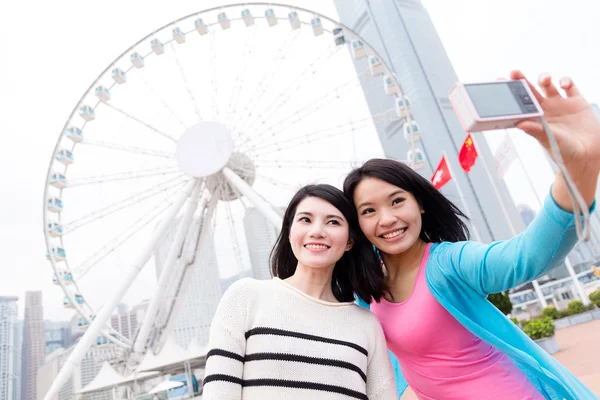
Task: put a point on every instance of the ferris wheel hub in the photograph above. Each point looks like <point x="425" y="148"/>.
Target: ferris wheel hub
<point x="204" y="149"/>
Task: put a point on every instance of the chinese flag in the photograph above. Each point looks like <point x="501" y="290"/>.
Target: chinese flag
<point x="468" y="154"/>
<point x="441" y="175"/>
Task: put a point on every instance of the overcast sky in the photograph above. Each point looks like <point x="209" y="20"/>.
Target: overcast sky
<point x="52" y="51"/>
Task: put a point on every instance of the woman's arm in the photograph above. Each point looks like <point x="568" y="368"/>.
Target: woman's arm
<point x="577" y="132"/>
<point x="380" y="377"/>
<point x="227" y="344"/>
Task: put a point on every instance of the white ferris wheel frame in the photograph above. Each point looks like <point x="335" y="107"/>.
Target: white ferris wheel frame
<point x="188" y="196"/>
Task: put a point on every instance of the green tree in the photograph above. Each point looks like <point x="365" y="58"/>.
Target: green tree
<point x="501" y="301"/>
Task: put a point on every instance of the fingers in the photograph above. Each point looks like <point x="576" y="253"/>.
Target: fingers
<point x="545" y="82"/>
<point x="568" y="86"/>
<point x="516" y="74"/>
<point x="532" y="128"/>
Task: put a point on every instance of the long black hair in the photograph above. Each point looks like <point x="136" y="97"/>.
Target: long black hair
<point x="355" y="272"/>
<point x="442" y="220"/>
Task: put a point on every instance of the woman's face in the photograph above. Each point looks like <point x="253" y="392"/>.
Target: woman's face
<point x="319" y="233"/>
<point x="389" y="216"/>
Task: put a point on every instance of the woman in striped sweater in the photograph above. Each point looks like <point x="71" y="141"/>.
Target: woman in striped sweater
<point x="300" y="335"/>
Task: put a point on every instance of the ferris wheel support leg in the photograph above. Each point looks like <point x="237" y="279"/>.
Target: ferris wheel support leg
<point x="102" y="317"/>
<point x="245" y="189"/>
<point x="167" y="270"/>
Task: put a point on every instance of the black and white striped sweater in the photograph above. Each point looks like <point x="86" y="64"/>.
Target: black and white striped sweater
<point x="269" y="340"/>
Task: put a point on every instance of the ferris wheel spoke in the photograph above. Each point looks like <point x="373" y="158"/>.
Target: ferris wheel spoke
<point x="287" y="142"/>
<point x="213" y="82"/>
<point x="186" y="83"/>
<point x="277" y="183"/>
<point x="303" y="164"/>
<point x="136" y="174"/>
<point x="233" y="233"/>
<point x="281" y="100"/>
<point x="269" y="76"/>
<point x="130" y="149"/>
<point x="161" y="100"/>
<point x="297" y="116"/>
<point x="139" y="121"/>
<point x="165" y="186"/>
<point x="239" y="80"/>
<point x="118" y="240"/>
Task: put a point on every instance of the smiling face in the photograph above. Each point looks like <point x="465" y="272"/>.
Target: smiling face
<point x="319" y="234"/>
<point x="389" y="216"/>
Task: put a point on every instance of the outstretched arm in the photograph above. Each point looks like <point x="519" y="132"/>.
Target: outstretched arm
<point x="577" y="132"/>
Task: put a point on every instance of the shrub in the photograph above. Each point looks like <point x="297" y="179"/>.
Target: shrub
<point x="591" y="307"/>
<point x="515" y="321"/>
<point x="595" y="297"/>
<point x="563" y="313"/>
<point x="501" y="301"/>
<point x="575" y="307"/>
<point x="539" y="328"/>
<point x="551" y="312"/>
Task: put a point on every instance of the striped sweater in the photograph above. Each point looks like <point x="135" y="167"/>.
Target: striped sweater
<point x="269" y="340"/>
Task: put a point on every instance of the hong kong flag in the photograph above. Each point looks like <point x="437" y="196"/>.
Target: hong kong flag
<point x="468" y="154"/>
<point x="441" y="175"/>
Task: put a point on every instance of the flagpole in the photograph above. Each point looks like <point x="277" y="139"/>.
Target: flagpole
<point x="462" y="198"/>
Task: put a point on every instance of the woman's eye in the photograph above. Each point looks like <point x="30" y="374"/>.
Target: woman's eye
<point x="333" y="222"/>
<point x="304" y="219"/>
<point x="367" y="211"/>
<point x="397" y="201"/>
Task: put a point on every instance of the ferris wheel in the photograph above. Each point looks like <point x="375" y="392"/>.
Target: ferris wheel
<point x="219" y="112"/>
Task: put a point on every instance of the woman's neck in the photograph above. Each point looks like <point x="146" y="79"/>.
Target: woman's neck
<point x="315" y="282"/>
<point x="399" y="264"/>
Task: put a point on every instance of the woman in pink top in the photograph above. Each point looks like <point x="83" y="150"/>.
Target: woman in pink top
<point x="449" y="341"/>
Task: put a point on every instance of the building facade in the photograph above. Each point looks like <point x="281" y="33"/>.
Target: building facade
<point x="34" y="344"/>
<point x="260" y="237"/>
<point x="9" y="378"/>
<point x="402" y="33"/>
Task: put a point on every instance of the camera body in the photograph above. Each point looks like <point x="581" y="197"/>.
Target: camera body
<point x="488" y="106"/>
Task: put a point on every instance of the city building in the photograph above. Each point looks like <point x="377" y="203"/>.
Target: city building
<point x="260" y="236"/>
<point x="9" y="378"/>
<point x="402" y="33"/>
<point x="57" y="335"/>
<point x="34" y="344"/>
<point x="198" y="297"/>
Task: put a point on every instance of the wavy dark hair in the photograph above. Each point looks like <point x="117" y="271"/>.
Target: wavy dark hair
<point x="442" y="221"/>
<point x="354" y="273"/>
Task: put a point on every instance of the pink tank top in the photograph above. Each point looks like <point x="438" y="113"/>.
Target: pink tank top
<point x="441" y="359"/>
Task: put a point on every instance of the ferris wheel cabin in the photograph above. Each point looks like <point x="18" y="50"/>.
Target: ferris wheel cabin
<point x="58" y="180"/>
<point x="87" y="113"/>
<point x="54" y="229"/>
<point x="74" y="134"/>
<point x="54" y="205"/>
<point x="412" y="132"/>
<point x="224" y="21"/>
<point x="157" y="47"/>
<point x="390" y="85"/>
<point x="247" y="17"/>
<point x="358" y="49"/>
<point x="416" y="158"/>
<point x="119" y="76"/>
<point x="178" y="35"/>
<point x="317" y="26"/>
<point x="137" y="60"/>
<point x="102" y="93"/>
<point x="270" y="16"/>
<point x="201" y="26"/>
<point x="375" y="66"/>
<point x="67" y="278"/>
<point x="64" y="156"/>
<point x="58" y="252"/>
<point x="294" y="20"/>
<point x="402" y="106"/>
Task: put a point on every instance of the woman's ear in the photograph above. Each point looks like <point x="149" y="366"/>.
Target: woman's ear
<point x="349" y="245"/>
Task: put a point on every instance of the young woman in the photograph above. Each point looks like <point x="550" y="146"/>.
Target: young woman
<point x="450" y="342"/>
<point x="300" y="335"/>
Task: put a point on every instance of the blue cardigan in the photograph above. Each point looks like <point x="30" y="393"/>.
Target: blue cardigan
<point x="461" y="275"/>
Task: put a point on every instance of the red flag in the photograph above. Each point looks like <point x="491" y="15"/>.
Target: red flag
<point x="441" y="175"/>
<point x="468" y="154"/>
